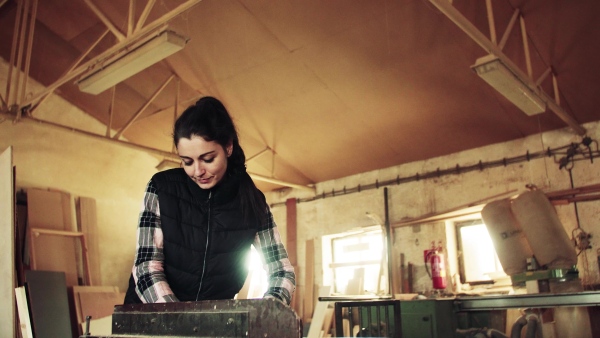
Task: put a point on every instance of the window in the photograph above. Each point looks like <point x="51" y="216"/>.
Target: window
<point x="477" y="258"/>
<point x="355" y="262"/>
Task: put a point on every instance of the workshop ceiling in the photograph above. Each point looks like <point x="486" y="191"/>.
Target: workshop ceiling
<point x="322" y="89"/>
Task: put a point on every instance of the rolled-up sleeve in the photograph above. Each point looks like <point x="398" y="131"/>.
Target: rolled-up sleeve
<point x="280" y="272"/>
<point x="148" y="273"/>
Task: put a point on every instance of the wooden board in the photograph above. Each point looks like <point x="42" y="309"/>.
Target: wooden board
<point x="51" y="210"/>
<point x="316" y="324"/>
<point x="23" y="310"/>
<point x="55" y="253"/>
<point x="99" y="304"/>
<point x="77" y="291"/>
<point x="309" y="280"/>
<point x="88" y="225"/>
<point x="328" y="322"/>
<point x="291" y="245"/>
<point x="396" y="272"/>
<point x="98" y="327"/>
<point x="291" y="226"/>
<point x="7" y="247"/>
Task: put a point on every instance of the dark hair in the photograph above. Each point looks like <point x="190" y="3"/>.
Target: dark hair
<point x="209" y="119"/>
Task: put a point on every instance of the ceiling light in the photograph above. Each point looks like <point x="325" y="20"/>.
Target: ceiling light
<point x="507" y="83"/>
<point x="130" y="61"/>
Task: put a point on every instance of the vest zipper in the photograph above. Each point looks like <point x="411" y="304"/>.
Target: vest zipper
<point x="206" y="248"/>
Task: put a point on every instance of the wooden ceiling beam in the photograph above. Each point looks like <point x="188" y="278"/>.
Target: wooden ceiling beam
<point x="136" y="37"/>
<point x="109" y="24"/>
<point x="144" y="15"/>
<point x="35" y="121"/>
<point x="475" y="34"/>
<point x="137" y="114"/>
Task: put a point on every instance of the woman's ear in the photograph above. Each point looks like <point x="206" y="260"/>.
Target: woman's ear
<point x="229" y="149"/>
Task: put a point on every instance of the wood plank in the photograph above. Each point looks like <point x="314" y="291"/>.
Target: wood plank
<point x="54" y="253"/>
<point x="7" y="245"/>
<point x="51" y="210"/>
<point x="76" y="291"/>
<point x="48" y="209"/>
<point x="99" y="304"/>
<point x="98" y="327"/>
<point x="462" y="210"/>
<point x="37" y="232"/>
<point x="410" y="278"/>
<point x="403" y="276"/>
<point x="396" y="272"/>
<point x="87" y="221"/>
<point x="23" y="310"/>
<point x="328" y="321"/>
<point x="291" y="245"/>
<point x="316" y="324"/>
<point x="309" y="280"/>
<point x="291" y="226"/>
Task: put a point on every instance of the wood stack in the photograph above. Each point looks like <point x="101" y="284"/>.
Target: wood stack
<point x="51" y="242"/>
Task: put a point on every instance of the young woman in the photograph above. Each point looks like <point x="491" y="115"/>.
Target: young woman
<point x="198" y="222"/>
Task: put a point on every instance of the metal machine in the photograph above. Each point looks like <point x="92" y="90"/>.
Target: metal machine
<point x="450" y="317"/>
<point x="216" y="318"/>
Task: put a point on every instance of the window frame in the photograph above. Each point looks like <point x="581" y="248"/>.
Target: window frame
<point x="458" y="224"/>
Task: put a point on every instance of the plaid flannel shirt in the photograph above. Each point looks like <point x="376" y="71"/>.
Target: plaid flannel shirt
<point x="149" y="258"/>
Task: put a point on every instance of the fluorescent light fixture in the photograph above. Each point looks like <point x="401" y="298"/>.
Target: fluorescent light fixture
<point x="130" y="61"/>
<point x="493" y="71"/>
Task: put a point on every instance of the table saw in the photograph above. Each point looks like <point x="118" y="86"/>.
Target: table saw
<point x="250" y="318"/>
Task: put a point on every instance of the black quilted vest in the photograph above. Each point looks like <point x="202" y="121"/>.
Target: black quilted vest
<point x="206" y="243"/>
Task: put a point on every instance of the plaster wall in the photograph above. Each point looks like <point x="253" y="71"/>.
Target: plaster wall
<point x="341" y="213"/>
<point x="114" y="175"/>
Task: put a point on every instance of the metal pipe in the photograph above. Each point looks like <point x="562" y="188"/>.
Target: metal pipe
<point x="533" y="324"/>
<point x="388" y="237"/>
<point x="517" y="327"/>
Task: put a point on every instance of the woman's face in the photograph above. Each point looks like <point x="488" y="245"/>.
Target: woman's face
<point x="203" y="161"/>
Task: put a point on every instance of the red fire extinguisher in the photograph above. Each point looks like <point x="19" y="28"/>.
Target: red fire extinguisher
<point x="435" y="259"/>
